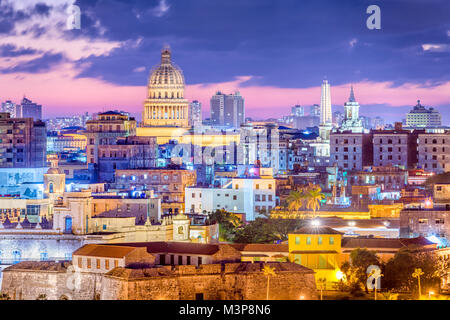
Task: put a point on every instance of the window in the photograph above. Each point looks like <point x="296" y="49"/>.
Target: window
<point x="88" y="263"/>
<point x="331" y="240"/>
<point x="319" y="240"/>
<point x="107" y="264"/>
<point x="234" y="197"/>
<point x="257" y="186"/>
<point x="199" y="260"/>
<point x="116" y="263"/>
<point x="308" y="240"/>
<point x="297" y="240"/>
<point x="98" y="263"/>
<point x="80" y="262"/>
<point x="188" y="260"/>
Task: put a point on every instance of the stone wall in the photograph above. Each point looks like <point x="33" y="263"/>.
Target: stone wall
<point x="229" y="281"/>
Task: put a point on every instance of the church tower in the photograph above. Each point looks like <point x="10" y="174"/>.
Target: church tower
<point x="165" y="105"/>
<point x="352" y="122"/>
<point x="181" y="225"/>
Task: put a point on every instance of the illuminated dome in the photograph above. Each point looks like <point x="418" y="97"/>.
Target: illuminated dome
<point x="166" y="79"/>
<point x="165" y="104"/>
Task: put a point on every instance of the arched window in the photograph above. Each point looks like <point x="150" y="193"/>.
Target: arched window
<point x="63" y="297"/>
<point x="50" y="187"/>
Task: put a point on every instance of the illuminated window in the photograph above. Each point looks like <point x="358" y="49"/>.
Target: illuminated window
<point x="88" y="263"/>
<point x="319" y="240"/>
<point x="297" y="240"/>
<point x="308" y="240"/>
<point x="331" y="240"/>
<point x="116" y="263"/>
<point x="80" y="263"/>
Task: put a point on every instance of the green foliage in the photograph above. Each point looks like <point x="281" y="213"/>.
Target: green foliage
<point x="355" y="271"/>
<point x="228" y="224"/>
<point x="264" y="230"/>
<point x="399" y="270"/>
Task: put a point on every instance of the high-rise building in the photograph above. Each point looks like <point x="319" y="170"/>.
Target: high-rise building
<point x="23" y="142"/>
<point x="29" y="109"/>
<point x="420" y="116"/>
<point x="314" y="110"/>
<point x="352" y="121"/>
<point x="9" y="107"/>
<point x="105" y="129"/>
<point x="227" y="110"/>
<point x="195" y="114"/>
<point x="325" y="103"/>
<point x="165" y="105"/>
<point x="298" y="111"/>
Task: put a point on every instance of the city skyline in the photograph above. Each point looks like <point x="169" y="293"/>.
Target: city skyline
<point x="273" y="69"/>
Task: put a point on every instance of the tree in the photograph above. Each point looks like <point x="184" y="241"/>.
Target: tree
<point x="399" y="269"/>
<point x="314" y="196"/>
<point x="295" y="200"/>
<point x="228" y="224"/>
<point x="268" y="272"/>
<point x="263" y="230"/>
<point x="355" y="270"/>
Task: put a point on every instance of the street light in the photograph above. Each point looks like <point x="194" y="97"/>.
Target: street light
<point x="416" y="274"/>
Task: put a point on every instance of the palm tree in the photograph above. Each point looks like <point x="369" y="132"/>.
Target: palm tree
<point x="314" y="196"/>
<point x="322" y="282"/>
<point x="268" y="271"/>
<point x="295" y="200"/>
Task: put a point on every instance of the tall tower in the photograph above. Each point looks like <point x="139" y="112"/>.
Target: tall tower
<point x="352" y="120"/>
<point x="165" y="105"/>
<point x="325" y="104"/>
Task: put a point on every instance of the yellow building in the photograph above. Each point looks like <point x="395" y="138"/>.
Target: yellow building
<point x="317" y="248"/>
<point x="185" y="136"/>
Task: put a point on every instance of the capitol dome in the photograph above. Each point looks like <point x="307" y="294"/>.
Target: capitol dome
<point x="166" y="73"/>
<point x="165" y="104"/>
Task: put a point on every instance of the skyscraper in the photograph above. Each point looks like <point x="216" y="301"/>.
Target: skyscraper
<point x="325" y="104"/>
<point x="195" y="113"/>
<point x="298" y="111"/>
<point x="227" y="110"/>
<point x="314" y="110"/>
<point x="29" y="109"/>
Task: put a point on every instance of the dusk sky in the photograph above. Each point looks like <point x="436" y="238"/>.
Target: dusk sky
<point x="275" y="52"/>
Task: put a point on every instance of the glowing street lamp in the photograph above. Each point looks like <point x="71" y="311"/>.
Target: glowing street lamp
<point x="339" y="275"/>
<point x="416" y="274"/>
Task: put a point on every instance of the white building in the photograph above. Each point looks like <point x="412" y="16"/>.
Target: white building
<point x="420" y="116"/>
<point x="249" y="196"/>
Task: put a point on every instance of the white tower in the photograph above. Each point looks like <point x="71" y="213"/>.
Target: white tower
<point x="325" y="104"/>
<point x="352" y="122"/>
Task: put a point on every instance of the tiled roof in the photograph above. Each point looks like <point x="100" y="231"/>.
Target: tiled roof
<point x="393" y="243"/>
<point x="107" y="251"/>
<point x="173" y="247"/>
